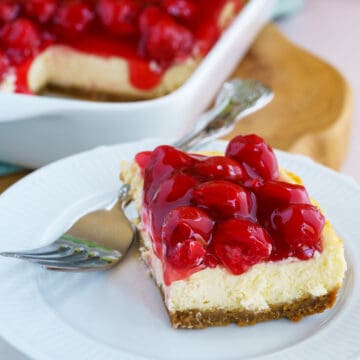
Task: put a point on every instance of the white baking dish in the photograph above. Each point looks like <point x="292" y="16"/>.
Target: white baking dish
<point x="35" y="130"/>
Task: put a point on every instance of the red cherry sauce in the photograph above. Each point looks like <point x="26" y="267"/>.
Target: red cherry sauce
<point x="150" y="35"/>
<point x="231" y="211"/>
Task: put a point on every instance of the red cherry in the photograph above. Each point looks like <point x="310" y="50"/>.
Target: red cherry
<point x="219" y="167"/>
<point x="206" y="38"/>
<point x="149" y="17"/>
<point x="165" y="40"/>
<point x="239" y="244"/>
<point x="253" y="184"/>
<point x="9" y="10"/>
<point x="142" y="159"/>
<point x="21" y="39"/>
<point x="176" y="187"/>
<point x="119" y="16"/>
<point x="171" y="193"/>
<point x="41" y="10"/>
<point x="273" y="194"/>
<point x="256" y="156"/>
<point x="185" y="235"/>
<point x="73" y="18"/>
<point x="186" y="222"/>
<point x="184" y="10"/>
<point x="164" y="160"/>
<point x="211" y="260"/>
<point x="277" y="193"/>
<point x="186" y="254"/>
<point x="223" y="199"/>
<point x="298" y="228"/>
<point x="169" y="157"/>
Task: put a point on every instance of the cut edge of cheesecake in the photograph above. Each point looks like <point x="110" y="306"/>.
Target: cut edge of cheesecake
<point x="66" y="71"/>
<point x="72" y="71"/>
<point x="253" y="296"/>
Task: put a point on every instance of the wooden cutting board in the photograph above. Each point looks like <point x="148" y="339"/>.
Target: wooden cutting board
<point x="312" y="108"/>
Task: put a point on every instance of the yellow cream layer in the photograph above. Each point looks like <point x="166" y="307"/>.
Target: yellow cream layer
<point x="263" y="285"/>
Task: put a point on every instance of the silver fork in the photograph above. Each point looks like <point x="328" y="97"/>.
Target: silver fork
<point x="100" y="239"/>
<point x="97" y="241"/>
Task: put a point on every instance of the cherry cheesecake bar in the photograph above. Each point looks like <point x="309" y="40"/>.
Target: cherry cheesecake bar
<point x="233" y="238"/>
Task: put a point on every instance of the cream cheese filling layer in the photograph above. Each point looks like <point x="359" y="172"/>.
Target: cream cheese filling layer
<point x="67" y="68"/>
<point x="263" y="285"/>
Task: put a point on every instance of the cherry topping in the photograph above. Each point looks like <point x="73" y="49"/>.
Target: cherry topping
<point x="186" y="222"/>
<point x="297" y="228"/>
<point x="142" y="159"/>
<point x="9" y="10"/>
<point x="273" y="194"/>
<point x="239" y="244"/>
<point x="169" y="193"/>
<point x="176" y="187"/>
<point x="186" y="254"/>
<point x="166" y="157"/>
<point x="223" y="199"/>
<point x="185" y="233"/>
<point x="73" y="18"/>
<point x="200" y="216"/>
<point x="219" y="167"/>
<point x="119" y="16"/>
<point x="211" y="260"/>
<point x="149" y="17"/>
<point x="277" y="193"/>
<point x="164" y="40"/>
<point x="21" y="38"/>
<point x="184" y="10"/>
<point x="162" y="163"/>
<point x="41" y="10"/>
<point x="256" y="156"/>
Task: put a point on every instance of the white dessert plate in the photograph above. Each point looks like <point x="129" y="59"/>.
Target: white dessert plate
<point x="35" y="130"/>
<point x="119" y="314"/>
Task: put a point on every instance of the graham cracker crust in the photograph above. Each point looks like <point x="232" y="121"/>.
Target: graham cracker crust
<point x="295" y="311"/>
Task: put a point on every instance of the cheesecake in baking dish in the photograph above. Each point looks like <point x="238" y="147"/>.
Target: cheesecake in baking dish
<point x="121" y="49"/>
<point x="233" y="238"/>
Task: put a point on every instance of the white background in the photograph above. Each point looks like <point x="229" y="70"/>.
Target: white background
<point x="330" y="29"/>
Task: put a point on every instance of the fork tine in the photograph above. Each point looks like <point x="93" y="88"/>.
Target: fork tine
<point x="73" y="257"/>
<point x="95" y="263"/>
<point x="69" y="253"/>
<point x="36" y="254"/>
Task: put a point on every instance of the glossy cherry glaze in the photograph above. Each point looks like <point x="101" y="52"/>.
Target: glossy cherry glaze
<point x="150" y="35"/>
<point x="231" y="211"/>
